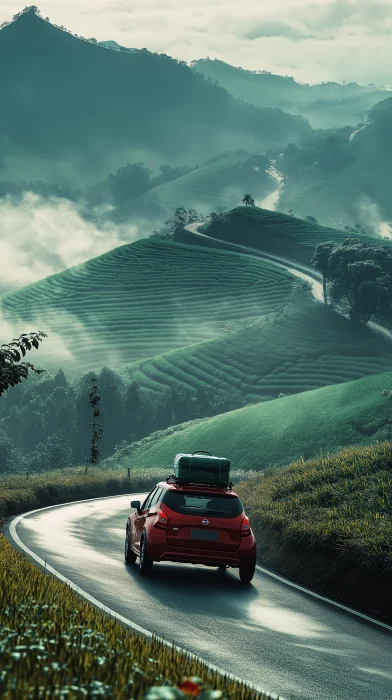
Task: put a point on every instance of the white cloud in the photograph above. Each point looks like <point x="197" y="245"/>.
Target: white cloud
<point x="312" y="40"/>
<point x="39" y="237"/>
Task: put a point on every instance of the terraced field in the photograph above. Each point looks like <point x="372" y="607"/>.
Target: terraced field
<point x="278" y="233"/>
<point x="286" y="353"/>
<point x="281" y="431"/>
<point x="141" y="300"/>
<point x="210" y="186"/>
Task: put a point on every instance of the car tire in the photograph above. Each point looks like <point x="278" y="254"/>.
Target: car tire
<point x="146" y="561"/>
<point x="129" y="555"/>
<point x="247" y="573"/>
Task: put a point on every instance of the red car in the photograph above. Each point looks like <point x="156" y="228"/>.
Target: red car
<point x="193" y="524"/>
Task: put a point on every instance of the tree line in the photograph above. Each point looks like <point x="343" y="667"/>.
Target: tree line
<point x="47" y="421"/>
<point x="357" y="276"/>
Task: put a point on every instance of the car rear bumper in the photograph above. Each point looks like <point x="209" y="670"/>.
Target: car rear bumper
<point x="244" y="556"/>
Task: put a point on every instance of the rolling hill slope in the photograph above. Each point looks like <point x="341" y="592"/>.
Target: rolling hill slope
<point x="73" y="110"/>
<point x="285" y="353"/>
<point x="220" y="183"/>
<point x="281" y="431"/>
<point x="143" y="299"/>
<point x="275" y="232"/>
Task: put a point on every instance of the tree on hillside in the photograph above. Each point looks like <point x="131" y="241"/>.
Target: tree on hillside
<point x="137" y="421"/>
<point x="94" y="399"/>
<point x="248" y="200"/>
<point x="358" y="277"/>
<point x="178" y="220"/>
<point x="320" y="262"/>
<point x="312" y="219"/>
<point x="12" y="370"/>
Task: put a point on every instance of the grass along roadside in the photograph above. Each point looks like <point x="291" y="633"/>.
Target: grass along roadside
<point x="327" y="523"/>
<point x="20" y="493"/>
<point x="55" y="644"/>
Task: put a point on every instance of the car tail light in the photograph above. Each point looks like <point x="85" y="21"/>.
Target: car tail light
<point x="161" y="520"/>
<point x="245" y="526"/>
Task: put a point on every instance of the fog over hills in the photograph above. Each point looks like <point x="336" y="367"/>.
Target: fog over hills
<point x="325" y="105"/>
<point x="72" y="110"/>
<point x="343" y="176"/>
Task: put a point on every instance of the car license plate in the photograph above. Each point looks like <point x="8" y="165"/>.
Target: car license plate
<point x="204" y="535"/>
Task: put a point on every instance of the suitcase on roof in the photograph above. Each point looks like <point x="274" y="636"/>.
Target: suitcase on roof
<point x="201" y="468"/>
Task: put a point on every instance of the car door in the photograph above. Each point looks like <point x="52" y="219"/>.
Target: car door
<point x="152" y="509"/>
<point x="139" y="520"/>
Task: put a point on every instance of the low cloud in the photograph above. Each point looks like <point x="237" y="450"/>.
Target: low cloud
<point x="39" y="237"/>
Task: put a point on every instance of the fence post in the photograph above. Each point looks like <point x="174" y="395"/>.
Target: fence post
<point x="129" y="472"/>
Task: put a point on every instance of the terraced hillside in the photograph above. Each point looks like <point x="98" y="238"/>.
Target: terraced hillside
<point x="286" y="353"/>
<point x="141" y="300"/>
<point x="278" y="432"/>
<point x="221" y="183"/>
<point x="278" y="233"/>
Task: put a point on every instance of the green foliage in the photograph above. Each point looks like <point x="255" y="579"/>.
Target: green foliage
<point x="356" y="275"/>
<point x="12" y="370"/>
<point x="94" y="399"/>
<point x="51" y="638"/>
<point x="248" y="200"/>
<point x="339" y="502"/>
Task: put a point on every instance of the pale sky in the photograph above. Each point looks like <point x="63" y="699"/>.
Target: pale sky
<point x="311" y="40"/>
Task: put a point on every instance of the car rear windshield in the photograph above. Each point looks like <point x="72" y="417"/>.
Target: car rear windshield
<point x="188" y="503"/>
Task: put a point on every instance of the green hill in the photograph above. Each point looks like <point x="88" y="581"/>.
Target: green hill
<point x="72" y="109"/>
<point x="277" y="432"/>
<point x="216" y="184"/>
<point x="275" y="232"/>
<point x="286" y="353"/>
<point x="325" y="105"/>
<point x="143" y="299"/>
<point x="343" y="177"/>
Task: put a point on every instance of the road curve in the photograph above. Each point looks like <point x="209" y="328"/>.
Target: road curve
<point x="270" y="634"/>
<point x="296" y="268"/>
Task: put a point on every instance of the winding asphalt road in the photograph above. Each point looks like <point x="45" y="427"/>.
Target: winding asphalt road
<point x="297" y="269"/>
<point x="270" y="634"/>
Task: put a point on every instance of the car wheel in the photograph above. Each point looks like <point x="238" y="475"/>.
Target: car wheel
<point x="129" y="555"/>
<point x="222" y="569"/>
<point x="247" y="573"/>
<point x="145" y="562"/>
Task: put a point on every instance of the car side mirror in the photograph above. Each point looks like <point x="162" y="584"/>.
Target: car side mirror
<point x="136" y="505"/>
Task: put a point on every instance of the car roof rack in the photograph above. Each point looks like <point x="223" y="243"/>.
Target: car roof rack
<point x="172" y="479"/>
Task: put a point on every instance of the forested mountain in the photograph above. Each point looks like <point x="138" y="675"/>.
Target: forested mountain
<point x="325" y="105"/>
<point x="343" y="176"/>
<point x="72" y="109"/>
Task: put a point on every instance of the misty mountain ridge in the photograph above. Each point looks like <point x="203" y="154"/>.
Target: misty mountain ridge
<point x="325" y="105"/>
<point x="73" y="109"/>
